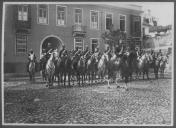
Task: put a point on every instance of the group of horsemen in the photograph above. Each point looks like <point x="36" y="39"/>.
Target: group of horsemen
<point x="118" y="51"/>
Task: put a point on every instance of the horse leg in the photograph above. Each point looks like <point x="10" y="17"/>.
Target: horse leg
<point x="69" y="79"/>
<point x="89" y="77"/>
<point x="34" y="77"/>
<point x="58" y="79"/>
<point x="52" y="80"/>
<point x="65" y="78"/>
<point x="143" y="74"/>
<point x="147" y="75"/>
<point x="82" y="78"/>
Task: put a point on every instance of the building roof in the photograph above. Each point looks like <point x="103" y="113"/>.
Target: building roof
<point x="124" y="6"/>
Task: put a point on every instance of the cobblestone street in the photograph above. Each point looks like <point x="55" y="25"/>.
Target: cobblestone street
<point x="145" y="102"/>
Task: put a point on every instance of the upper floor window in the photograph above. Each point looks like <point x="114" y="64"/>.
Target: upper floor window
<point x="43" y="14"/>
<point x="94" y="20"/>
<point x="21" y="43"/>
<point x="23" y="12"/>
<point x="122" y="22"/>
<point x="108" y="21"/>
<point x="61" y="15"/>
<point x="78" y="16"/>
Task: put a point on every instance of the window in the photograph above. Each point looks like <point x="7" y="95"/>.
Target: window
<point x="61" y="15"/>
<point x="108" y="21"/>
<point x="94" y="44"/>
<point x="94" y="20"/>
<point x="21" y="43"/>
<point x="43" y="14"/>
<point x="78" y="43"/>
<point x="137" y="25"/>
<point x="122" y="22"/>
<point x="78" y="16"/>
<point x="23" y="13"/>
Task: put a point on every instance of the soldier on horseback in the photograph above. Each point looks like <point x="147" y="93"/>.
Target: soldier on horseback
<point x="159" y="54"/>
<point x="63" y="52"/>
<point x="86" y="51"/>
<point x="118" y="50"/>
<point x="43" y="53"/>
<point x="97" y="52"/>
<point x="108" y="52"/>
<point x="31" y="55"/>
<point x="77" y="52"/>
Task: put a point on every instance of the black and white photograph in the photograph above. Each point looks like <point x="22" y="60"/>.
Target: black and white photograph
<point x="87" y="63"/>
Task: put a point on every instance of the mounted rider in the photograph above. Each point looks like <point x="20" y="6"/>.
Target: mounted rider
<point x="86" y="51"/>
<point x="43" y="53"/>
<point x="63" y="52"/>
<point x="159" y="54"/>
<point x="31" y="56"/>
<point x="108" y="52"/>
<point x="77" y="52"/>
<point x="119" y="50"/>
<point x="97" y="52"/>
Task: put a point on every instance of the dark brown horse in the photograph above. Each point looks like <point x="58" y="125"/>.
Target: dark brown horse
<point x="91" y="68"/>
<point x="81" y="69"/>
<point x="156" y="65"/>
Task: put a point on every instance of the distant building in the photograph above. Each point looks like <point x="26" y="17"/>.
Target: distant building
<point x="154" y="36"/>
<point x="33" y="26"/>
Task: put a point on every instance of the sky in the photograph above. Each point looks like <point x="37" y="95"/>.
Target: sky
<point x="164" y="11"/>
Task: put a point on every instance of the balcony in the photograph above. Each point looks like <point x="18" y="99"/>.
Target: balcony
<point x="79" y="30"/>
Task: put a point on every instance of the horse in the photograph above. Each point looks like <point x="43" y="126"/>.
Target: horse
<point x="42" y="64"/>
<point x="91" y="68"/>
<point x="156" y="65"/>
<point x="114" y="67"/>
<point x="143" y="65"/>
<point x="103" y="68"/>
<point x="50" y="70"/>
<point x="125" y="69"/>
<point x="31" y="68"/>
<point x="75" y="60"/>
<point x="68" y="68"/>
<point x="81" y="69"/>
<point x="163" y="63"/>
<point x="132" y="60"/>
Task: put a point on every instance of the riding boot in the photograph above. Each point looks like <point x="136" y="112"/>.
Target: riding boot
<point x="27" y="67"/>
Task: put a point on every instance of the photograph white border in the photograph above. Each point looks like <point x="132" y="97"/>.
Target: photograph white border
<point x="56" y="3"/>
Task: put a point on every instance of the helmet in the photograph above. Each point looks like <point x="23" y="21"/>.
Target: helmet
<point x="63" y="45"/>
<point x="31" y="51"/>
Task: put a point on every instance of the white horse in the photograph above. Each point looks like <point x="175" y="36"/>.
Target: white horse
<point x="163" y="63"/>
<point x="50" y="70"/>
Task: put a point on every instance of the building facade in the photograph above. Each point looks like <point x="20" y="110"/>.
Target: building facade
<point x="33" y="26"/>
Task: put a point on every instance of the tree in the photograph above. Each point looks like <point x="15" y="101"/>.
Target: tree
<point x="112" y="37"/>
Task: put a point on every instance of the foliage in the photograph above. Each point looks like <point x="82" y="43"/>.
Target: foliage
<point x="112" y="37"/>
